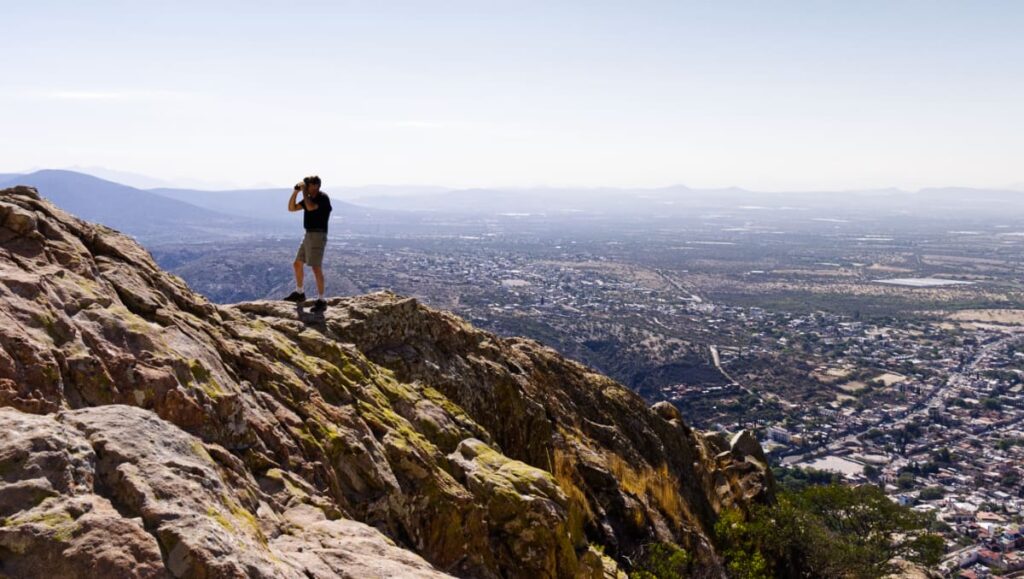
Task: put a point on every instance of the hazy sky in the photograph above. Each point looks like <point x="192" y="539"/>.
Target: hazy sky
<point x="761" y="94"/>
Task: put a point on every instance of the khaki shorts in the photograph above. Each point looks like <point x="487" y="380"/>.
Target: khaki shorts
<point x="311" y="251"/>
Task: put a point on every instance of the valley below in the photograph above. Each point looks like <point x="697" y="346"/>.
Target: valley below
<point x="881" y="342"/>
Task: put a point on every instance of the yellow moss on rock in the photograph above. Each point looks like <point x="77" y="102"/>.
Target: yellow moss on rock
<point x="657" y="485"/>
<point x="580" y="513"/>
<point x="59" y="521"/>
<point x="203" y="378"/>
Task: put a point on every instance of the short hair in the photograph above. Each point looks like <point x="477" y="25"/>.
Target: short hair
<point x="312" y="180"/>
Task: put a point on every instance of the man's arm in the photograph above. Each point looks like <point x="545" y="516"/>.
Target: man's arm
<point x="292" y="205"/>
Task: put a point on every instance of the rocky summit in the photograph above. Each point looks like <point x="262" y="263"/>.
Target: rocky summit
<point x="146" y="432"/>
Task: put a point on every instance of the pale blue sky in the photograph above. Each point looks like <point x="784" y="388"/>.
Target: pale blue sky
<point x="760" y="94"/>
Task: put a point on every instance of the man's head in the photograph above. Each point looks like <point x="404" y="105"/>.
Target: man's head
<point x="312" y="185"/>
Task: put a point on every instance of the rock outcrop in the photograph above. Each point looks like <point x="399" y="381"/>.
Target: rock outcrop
<point x="147" y="432"/>
<point x="104" y="491"/>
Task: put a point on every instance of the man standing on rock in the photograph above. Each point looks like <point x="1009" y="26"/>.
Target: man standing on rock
<point x="316" y="211"/>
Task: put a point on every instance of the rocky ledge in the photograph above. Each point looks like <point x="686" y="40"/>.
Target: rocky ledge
<point x="145" y="432"/>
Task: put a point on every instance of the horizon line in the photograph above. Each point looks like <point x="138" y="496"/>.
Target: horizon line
<point x="1011" y="188"/>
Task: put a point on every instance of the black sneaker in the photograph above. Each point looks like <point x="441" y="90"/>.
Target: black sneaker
<point x="319" y="306"/>
<point x="296" y="296"/>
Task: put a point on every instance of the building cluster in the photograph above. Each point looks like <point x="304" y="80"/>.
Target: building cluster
<point x="934" y="415"/>
<point x="927" y="409"/>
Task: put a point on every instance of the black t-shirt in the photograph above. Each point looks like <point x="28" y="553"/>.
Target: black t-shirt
<point x="316" y="220"/>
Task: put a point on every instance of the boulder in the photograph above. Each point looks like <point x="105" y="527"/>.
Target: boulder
<point x="744" y="443"/>
<point x="524" y="505"/>
<point x="667" y="411"/>
<point x="123" y="493"/>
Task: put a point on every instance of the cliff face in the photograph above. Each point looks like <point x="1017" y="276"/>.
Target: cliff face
<point x="147" y="432"/>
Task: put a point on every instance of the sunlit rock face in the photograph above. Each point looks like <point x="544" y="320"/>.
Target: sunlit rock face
<point x="145" y="432"/>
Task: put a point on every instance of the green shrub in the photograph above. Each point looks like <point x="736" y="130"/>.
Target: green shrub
<point x="662" y="561"/>
<point x="825" y="531"/>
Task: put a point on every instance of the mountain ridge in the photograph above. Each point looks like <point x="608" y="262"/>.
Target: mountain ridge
<point x="177" y="214"/>
<point x="265" y="204"/>
<point x="162" y="215"/>
<point x="396" y="440"/>
<point x="139" y="212"/>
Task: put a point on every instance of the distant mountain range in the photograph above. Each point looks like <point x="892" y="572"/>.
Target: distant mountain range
<point x="260" y="204"/>
<point x="951" y="202"/>
<point x="134" y="211"/>
<point x="172" y="215"/>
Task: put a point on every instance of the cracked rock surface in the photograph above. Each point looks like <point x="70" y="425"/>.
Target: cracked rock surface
<point x="115" y="491"/>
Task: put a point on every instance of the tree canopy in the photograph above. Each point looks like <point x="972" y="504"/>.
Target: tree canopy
<point x="826" y="531"/>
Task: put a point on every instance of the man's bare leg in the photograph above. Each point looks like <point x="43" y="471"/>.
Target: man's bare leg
<point x="299" y="274"/>
<point x="318" y="273"/>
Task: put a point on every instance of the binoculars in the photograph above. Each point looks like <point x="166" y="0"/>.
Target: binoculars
<point x="311" y="180"/>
